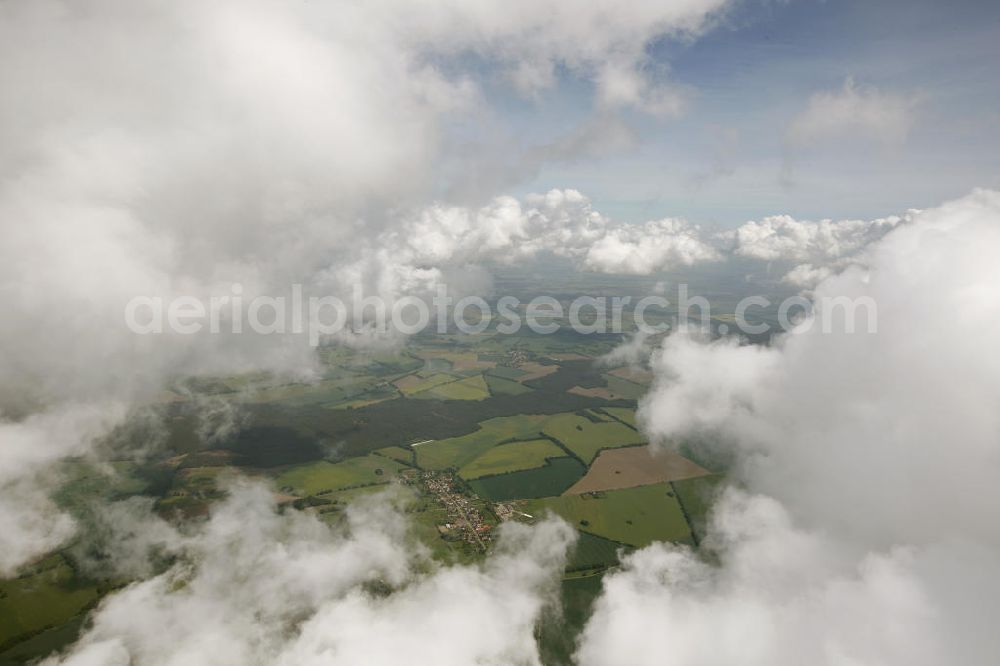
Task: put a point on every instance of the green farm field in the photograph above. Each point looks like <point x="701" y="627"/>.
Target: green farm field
<point x="44" y="643"/>
<point x="47" y="597"/>
<point x="554" y="477"/>
<point x="634" y="516"/>
<point x="697" y="497"/>
<point x="502" y="386"/>
<point x="586" y="438"/>
<point x="558" y="633"/>
<point x="470" y="388"/>
<point x="413" y="384"/>
<point x="511" y="457"/>
<point x="456" y="452"/>
<point x="624" y="414"/>
<point x="397" y="453"/>
<point x="322" y="476"/>
<point x="592" y="552"/>
<point x="624" y="388"/>
<point x="505" y="372"/>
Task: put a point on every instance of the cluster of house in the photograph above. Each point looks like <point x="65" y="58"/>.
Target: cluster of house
<point x="515" y="358"/>
<point x="463" y="514"/>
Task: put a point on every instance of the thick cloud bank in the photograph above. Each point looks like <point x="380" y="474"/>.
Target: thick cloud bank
<point x="820" y="249"/>
<point x="252" y="586"/>
<point x="867" y="533"/>
<point x="560" y="222"/>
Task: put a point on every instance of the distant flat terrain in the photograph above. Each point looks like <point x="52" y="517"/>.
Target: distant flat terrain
<point x="634" y="466"/>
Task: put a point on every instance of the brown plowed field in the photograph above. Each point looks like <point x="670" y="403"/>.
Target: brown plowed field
<point x="634" y="466"/>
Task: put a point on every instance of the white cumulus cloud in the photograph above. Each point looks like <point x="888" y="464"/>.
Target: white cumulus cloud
<point x="254" y="586"/>
<point x="867" y="531"/>
<point x="818" y="248"/>
<point x="561" y="222"/>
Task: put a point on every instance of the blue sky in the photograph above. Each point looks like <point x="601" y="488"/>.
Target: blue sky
<point x="728" y="158"/>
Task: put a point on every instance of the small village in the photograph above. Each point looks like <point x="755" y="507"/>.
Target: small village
<point x="463" y="514"/>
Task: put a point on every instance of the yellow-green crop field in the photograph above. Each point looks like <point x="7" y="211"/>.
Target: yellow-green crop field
<point x="511" y="458"/>
<point x="634" y="516"/>
<point x="470" y="388"/>
<point x="624" y="414"/>
<point x="397" y="453"/>
<point x="456" y="452"/>
<point x="322" y="476"/>
<point x="430" y="382"/>
<point x="586" y="438"/>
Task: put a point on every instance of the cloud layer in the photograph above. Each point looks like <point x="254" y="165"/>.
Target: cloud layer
<point x="867" y="531"/>
<point x="819" y="249"/>
<point x="253" y="586"/>
<point x="560" y="222"/>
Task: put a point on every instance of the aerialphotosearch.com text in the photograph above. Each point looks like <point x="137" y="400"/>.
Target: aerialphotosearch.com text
<point x="321" y="317"/>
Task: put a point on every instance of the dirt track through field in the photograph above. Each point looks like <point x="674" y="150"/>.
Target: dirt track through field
<point x="634" y="466"/>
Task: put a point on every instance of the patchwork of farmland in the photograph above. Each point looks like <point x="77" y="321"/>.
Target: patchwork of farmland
<point x="477" y="429"/>
<point x="414" y="384"/>
<point x="457" y="452"/>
